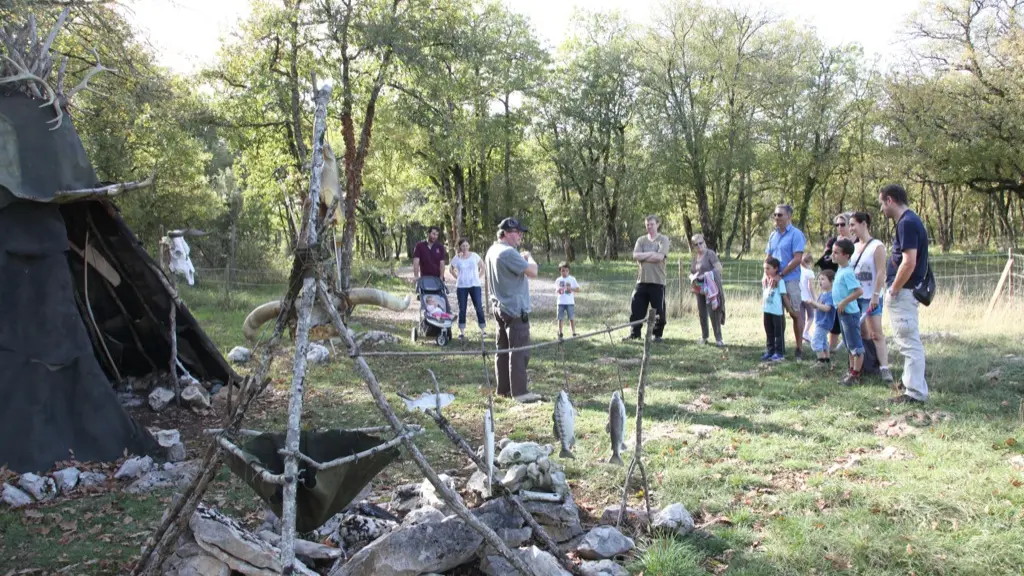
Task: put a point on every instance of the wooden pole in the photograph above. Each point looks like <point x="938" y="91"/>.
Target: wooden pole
<point x="305" y="309"/>
<point x="449" y="497"/>
<point x="173" y="320"/>
<point x="999" y="287"/>
<point x="637" y="461"/>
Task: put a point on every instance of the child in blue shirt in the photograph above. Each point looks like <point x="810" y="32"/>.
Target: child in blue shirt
<point x="824" y="318"/>
<point x="845" y="291"/>
<point x="774" y="320"/>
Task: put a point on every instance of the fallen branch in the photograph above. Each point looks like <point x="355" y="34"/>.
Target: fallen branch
<point x="637" y="461"/>
<point x="449" y="497"/>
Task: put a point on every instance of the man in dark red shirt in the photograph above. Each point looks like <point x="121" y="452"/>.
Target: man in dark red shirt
<point x="429" y="257"/>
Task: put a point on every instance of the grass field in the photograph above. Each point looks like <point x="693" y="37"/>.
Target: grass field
<point x="803" y="476"/>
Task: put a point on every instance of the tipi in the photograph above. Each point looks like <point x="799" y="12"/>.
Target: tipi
<point x="82" y="305"/>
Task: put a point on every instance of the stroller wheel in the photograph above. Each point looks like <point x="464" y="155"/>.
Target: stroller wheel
<point x="442" y="338"/>
<point x="414" y="334"/>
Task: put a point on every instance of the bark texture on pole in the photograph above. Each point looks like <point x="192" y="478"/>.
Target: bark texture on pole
<point x="447" y="494"/>
<point x="637" y="461"/>
<point x="173" y="319"/>
<point x="305" y="308"/>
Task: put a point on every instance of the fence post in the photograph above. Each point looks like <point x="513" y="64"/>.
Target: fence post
<point x="1007" y="271"/>
<point x="1009" y="254"/>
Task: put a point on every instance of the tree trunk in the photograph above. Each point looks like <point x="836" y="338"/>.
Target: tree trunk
<point x="547" y="232"/>
<point x="508" y="152"/>
<point x="459" y="184"/>
<point x="740" y="200"/>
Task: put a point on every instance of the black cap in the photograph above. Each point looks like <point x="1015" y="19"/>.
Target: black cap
<point x="509" y="224"/>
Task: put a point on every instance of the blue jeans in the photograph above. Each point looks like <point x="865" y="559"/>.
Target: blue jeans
<point x="819" y="340"/>
<point x="850" y="325"/>
<point x="462" y="294"/>
<point x="865" y="302"/>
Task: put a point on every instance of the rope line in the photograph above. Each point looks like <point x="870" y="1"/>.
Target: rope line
<point x="484" y="352"/>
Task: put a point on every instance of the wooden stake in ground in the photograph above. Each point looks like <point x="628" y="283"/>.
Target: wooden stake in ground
<point x="637" y="461"/>
<point x="305" y="308"/>
<point x="1007" y="270"/>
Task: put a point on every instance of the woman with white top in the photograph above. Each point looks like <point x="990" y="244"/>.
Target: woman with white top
<point x="468" y="269"/>
<point x="869" y="267"/>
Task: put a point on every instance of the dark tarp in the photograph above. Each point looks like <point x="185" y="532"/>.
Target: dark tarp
<point x="35" y="161"/>
<point x="321" y="493"/>
<point x="55" y="400"/>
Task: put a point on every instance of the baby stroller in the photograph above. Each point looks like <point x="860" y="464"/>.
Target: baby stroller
<point x="435" y="314"/>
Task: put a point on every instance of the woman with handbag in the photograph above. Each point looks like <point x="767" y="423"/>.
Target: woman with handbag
<point x="706" y="283"/>
<point x="868" y="264"/>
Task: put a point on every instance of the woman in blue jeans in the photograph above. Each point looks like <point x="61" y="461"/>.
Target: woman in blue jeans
<point x="869" y="267"/>
<point x="468" y="268"/>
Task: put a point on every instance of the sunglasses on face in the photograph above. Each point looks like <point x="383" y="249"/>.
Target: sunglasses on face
<point x="778" y="215"/>
<point x="841" y="224"/>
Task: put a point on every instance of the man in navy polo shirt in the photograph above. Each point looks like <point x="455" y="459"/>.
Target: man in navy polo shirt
<point x="786" y="244"/>
<point x="429" y="257"/>
<point x="906" y="269"/>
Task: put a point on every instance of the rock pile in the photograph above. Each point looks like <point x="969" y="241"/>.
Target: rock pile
<point x="217" y="545"/>
<point x="33" y="488"/>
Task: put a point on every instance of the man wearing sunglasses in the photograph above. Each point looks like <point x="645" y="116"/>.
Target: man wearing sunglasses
<point x="786" y="244"/>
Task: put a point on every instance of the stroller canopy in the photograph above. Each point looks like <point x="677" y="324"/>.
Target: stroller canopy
<point x="430" y="284"/>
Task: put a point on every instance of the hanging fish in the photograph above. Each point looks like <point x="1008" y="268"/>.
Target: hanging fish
<point x="426" y="400"/>
<point x="565" y="424"/>
<point x="616" y="427"/>
<point x="489" y="447"/>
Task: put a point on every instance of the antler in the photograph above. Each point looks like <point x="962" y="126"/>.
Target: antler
<point x="24" y="74"/>
<point x="31" y="61"/>
<point x="84" y="84"/>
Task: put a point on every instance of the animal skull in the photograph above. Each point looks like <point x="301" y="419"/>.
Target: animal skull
<point x="177" y="252"/>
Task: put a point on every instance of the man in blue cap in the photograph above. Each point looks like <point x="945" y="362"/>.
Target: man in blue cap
<point x="508" y="273"/>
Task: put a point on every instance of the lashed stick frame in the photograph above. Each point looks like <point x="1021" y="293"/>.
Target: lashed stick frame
<point x="638" y="461"/>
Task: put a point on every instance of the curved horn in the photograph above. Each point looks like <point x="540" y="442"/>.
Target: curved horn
<point x="367" y="296"/>
<point x="259" y="316"/>
<point x="376" y="297"/>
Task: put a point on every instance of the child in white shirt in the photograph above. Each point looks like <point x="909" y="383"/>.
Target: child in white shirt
<point x="566" y="286"/>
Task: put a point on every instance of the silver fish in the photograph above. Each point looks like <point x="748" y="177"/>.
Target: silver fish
<point x="616" y="427"/>
<point x="564" y="424"/>
<point x="426" y="400"/>
<point x="489" y="447"/>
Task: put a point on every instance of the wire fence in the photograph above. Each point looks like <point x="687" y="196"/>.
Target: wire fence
<point x="606" y="286"/>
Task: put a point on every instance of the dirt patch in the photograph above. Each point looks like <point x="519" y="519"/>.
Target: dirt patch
<point x="910" y="423"/>
<point x="790" y="481"/>
<point x="701" y="403"/>
<point x="663" y="430"/>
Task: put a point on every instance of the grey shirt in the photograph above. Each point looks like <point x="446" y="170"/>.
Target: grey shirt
<point x="510" y="288"/>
